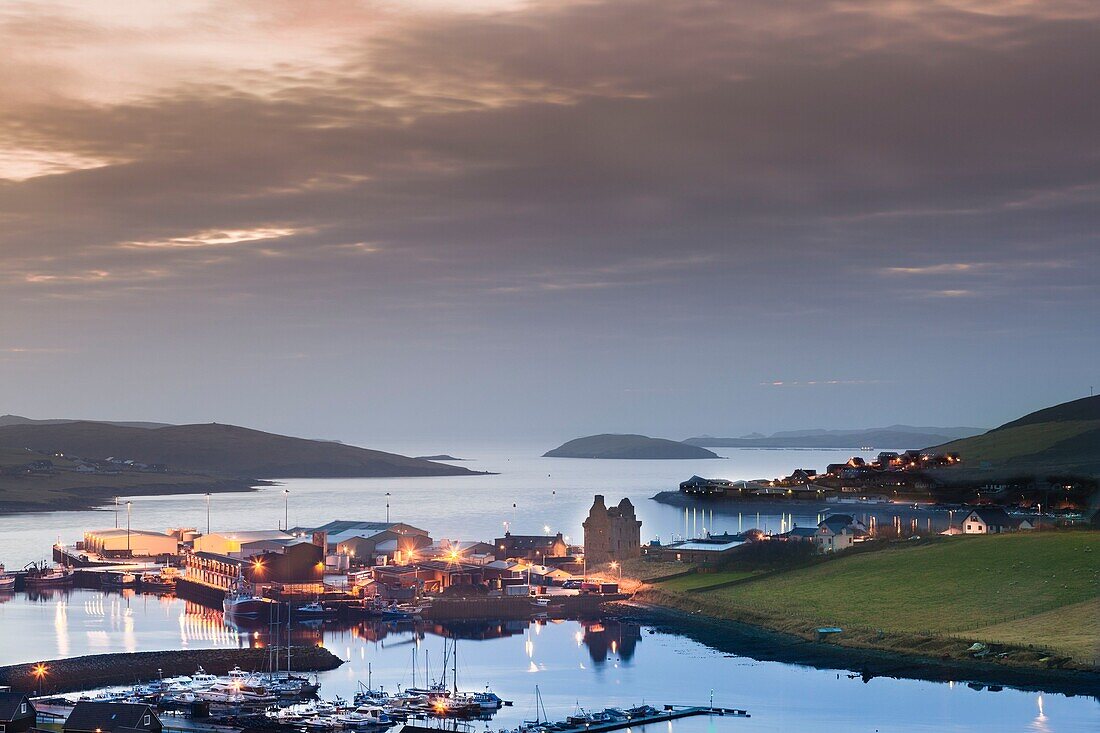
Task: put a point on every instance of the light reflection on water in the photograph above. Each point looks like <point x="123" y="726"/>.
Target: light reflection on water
<point x="595" y="663"/>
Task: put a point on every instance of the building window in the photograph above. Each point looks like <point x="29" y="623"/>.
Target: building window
<point x="23" y="708"/>
<point x="146" y="720"/>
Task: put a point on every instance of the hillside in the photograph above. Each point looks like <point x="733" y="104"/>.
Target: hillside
<point x="1060" y="439"/>
<point x="894" y="436"/>
<point x="221" y="450"/>
<point x="20" y="420"/>
<point x="628" y="447"/>
<point x="1037" y="588"/>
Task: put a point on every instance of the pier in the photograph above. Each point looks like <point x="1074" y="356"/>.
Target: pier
<point x="669" y="713"/>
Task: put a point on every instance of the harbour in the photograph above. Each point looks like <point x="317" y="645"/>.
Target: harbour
<point x="590" y="659"/>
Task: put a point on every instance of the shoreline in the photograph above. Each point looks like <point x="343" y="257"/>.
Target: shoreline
<point x="764" y="644"/>
<point x="98" y="497"/>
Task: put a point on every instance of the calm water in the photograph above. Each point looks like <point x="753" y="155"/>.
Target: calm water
<point x="594" y="664"/>
<point x="552" y="493"/>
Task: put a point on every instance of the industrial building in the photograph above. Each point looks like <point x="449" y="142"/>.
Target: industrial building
<point x="128" y="543"/>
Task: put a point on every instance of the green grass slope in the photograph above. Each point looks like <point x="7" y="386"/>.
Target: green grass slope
<point x="224" y="450"/>
<point x="610" y="445"/>
<point x="971" y="586"/>
<point x="1060" y="439"/>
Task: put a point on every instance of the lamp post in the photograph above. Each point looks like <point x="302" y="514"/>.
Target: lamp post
<point x="286" y="509"/>
<point x="128" y="527"/>
<point x="116" y="512"/>
<point x="208" y="514"/>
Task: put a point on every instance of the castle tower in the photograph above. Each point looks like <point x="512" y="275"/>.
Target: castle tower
<point x="611" y="533"/>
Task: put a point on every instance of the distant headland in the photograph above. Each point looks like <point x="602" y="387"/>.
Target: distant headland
<point x="628" y="446"/>
<point x="73" y="464"/>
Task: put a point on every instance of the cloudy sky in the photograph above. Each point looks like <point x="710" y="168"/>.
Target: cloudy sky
<point x="437" y="219"/>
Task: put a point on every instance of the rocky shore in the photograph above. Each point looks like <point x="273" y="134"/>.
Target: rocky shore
<point x="104" y="670"/>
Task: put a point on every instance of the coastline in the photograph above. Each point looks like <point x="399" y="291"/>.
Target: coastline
<point x="765" y="644"/>
<point x="98" y="497"/>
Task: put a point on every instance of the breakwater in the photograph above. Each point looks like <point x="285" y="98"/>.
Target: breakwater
<point x="104" y="670"/>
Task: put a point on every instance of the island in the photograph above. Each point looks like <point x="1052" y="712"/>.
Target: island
<point x="50" y="465"/>
<point x="628" y="446"/>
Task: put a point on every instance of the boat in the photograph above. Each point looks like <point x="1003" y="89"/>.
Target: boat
<point x="157" y="583"/>
<point x="7" y="580"/>
<point x="47" y="576"/>
<point x="118" y="579"/>
<point x="242" y="603"/>
<point x="401" y="613"/>
<point x="314" y="609"/>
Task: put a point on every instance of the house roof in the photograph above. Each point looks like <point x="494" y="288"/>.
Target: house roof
<point x="106" y="716"/>
<point x="9" y="704"/>
<point x="993" y="515"/>
<point x="528" y="541"/>
<point x="804" y="532"/>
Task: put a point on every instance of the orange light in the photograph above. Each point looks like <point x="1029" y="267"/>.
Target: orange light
<point x="40" y="670"/>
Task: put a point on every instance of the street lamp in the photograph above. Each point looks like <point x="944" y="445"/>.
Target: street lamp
<point x="208" y="514"/>
<point x="128" y="528"/>
<point x="616" y="566"/>
<point x="286" y="509"/>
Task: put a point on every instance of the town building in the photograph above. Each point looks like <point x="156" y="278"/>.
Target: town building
<point x="705" y="551"/>
<point x="992" y="520"/>
<point x="122" y="542"/>
<point x="530" y="546"/>
<point x="293" y="568"/>
<point x="839" y="532"/>
<point x="17" y="713"/>
<point x="382" y="548"/>
<point x="611" y="533"/>
<point x="341" y="531"/>
<point x="112" y="717"/>
<point x="242" y="544"/>
<point x="699" y="486"/>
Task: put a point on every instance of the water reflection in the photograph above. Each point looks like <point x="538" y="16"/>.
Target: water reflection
<point x="593" y="662"/>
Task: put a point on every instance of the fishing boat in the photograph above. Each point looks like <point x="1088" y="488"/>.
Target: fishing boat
<point x="48" y="576"/>
<point x="118" y="579"/>
<point x="313" y="610"/>
<point x="242" y="603"/>
<point x="157" y="583"/>
<point x="7" y="580"/>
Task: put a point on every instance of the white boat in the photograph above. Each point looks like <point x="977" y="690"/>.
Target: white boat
<point x="202" y="680"/>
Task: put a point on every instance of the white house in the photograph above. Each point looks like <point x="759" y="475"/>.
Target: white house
<point x="988" y="520"/>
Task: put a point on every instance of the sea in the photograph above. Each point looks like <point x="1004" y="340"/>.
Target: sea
<point x="590" y="664"/>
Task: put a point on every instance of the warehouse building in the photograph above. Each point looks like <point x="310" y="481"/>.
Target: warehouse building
<point x="129" y="543"/>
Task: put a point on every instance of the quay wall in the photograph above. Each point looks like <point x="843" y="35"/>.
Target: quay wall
<point x="103" y="670"/>
<point x="448" y="609"/>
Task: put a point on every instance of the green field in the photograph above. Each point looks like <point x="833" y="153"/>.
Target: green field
<point x="1023" y="588"/>
<point x="703" y="580"/>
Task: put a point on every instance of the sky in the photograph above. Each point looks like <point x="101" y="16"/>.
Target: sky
<point x="379" y="221"/>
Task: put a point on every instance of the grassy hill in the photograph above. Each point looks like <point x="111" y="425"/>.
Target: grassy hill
<point x="222" y="450"/>
<point x="1028" y="588"/>
<point x="1060" y="439"/>
<point x="628" y="446"/>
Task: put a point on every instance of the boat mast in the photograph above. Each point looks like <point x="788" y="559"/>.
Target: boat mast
<point x="454" y="669"/>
